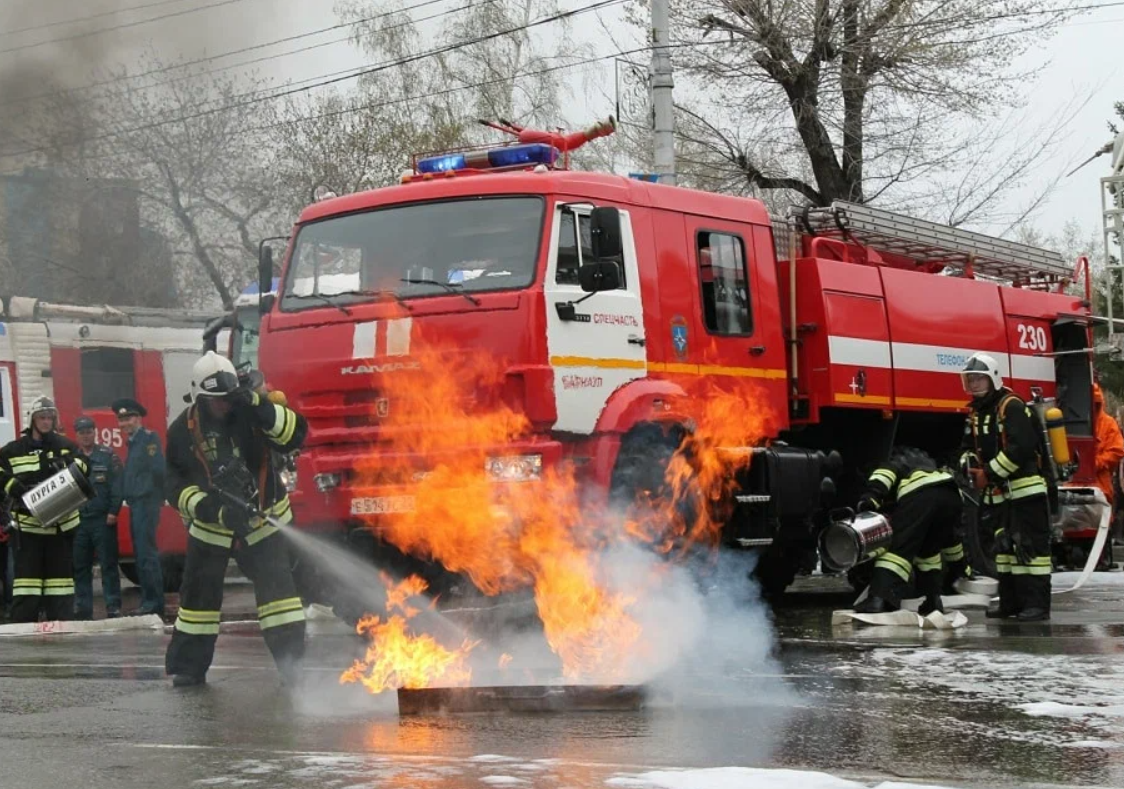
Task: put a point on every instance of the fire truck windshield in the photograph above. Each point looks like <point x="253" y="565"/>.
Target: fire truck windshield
<point x="420" y="249"/>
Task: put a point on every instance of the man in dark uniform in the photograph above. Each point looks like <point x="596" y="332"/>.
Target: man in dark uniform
<point x="220" y="458"/>
<point x="44" y="555"/>
<point x="1002" y="460"/>
<point x="924" y="507"/>
<point x="143" y="490"/>
<point x="97" y="527"/>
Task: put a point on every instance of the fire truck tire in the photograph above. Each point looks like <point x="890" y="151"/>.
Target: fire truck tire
<point x="776" y="570"/>
<point x="170" y="566"/>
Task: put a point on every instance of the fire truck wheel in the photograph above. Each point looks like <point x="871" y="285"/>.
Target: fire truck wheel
<point x="776" y="569"/>
<point x="638" y="486"/>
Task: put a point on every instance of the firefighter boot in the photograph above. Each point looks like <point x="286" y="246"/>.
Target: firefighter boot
<point x="1034" y="591"/>
<point x="953" y="572"/>
<point x="929" y="584"/>
<point x="1010" y="603"/>
<point x="882" y="595"/>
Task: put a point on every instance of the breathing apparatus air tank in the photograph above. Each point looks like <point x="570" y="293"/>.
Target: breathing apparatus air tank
<point x="1055" y="430"/>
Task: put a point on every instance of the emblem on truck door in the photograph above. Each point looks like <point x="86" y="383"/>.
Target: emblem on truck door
<point x="679" y="336"/>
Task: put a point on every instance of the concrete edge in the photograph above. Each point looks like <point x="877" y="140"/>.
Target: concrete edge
<point x="74" y="628"/>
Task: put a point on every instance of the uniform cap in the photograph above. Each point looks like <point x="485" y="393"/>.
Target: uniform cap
<point x="83" y="423"/>
<point x="126" y="406"/>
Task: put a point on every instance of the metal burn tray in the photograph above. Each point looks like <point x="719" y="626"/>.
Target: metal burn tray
<point x="521" y="698"/>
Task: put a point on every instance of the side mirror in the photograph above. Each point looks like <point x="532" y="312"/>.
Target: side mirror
<point x="605" y="233"/>
<point x="595" y="277"/>
<point x="265" y="277"/>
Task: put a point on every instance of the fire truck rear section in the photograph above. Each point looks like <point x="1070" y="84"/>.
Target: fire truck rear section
<point x="852" y="323"/>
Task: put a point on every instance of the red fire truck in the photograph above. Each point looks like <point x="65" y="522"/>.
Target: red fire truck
<point x="610" y="296"/>
<point x="85" y="358"/>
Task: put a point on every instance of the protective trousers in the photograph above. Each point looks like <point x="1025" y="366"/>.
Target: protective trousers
<point x="144" y="518"/>
<point x="95" y="537"/>
<point x="1022" y="552"/>
<point x="264" y="558"/>
<point x="44" y="577"/>
<point x="924" y="524"/>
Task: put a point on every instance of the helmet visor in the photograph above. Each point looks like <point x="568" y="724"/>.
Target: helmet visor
<point x="218" y="384"/>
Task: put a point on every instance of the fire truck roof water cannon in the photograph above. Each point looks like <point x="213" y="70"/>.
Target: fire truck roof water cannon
<point x="589" y="327"/>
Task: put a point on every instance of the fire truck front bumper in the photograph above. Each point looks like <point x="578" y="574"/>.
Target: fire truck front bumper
<point x="339" y="489"/>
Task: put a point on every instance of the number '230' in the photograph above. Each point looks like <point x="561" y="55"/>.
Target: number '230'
<point x="1032" y="338"/>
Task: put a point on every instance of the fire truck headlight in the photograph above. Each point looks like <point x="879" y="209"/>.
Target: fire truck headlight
<point x="514" y="468"/>
<point x="325" y="482"/>
<point x="289" y="479"/>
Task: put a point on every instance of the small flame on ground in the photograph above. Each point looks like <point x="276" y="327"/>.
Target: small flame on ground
<point x="397" y="658"/>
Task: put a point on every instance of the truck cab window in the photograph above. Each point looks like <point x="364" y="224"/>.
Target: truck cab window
<point x="725" y="284"/>
<point x="107" y="374"/>
<point x="571" y="254"/>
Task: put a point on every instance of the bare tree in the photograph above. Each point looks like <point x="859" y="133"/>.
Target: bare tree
<point x="196" y="146"/>
<point x="853" y="99"/>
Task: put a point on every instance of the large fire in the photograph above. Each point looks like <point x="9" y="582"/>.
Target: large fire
<point x="539" y="534"/>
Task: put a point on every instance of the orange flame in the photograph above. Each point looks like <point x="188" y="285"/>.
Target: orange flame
<point x="512" y="535"/>
<point x="505" y="660"/>
<point x="398" y="659"/>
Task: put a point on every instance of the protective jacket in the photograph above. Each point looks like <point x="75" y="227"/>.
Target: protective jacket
<point x="198" y="444"/>
<point x="1110" y="444"/>
<point x="1000" y="434"/>
<point x="902" y="475"/>
<point x="30" y="462"/>
<point x="105" y="477"/>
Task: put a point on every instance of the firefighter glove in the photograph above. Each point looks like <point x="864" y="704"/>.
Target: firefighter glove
<point x="245" y="396"/>
<point x="867" y="504"/>
<point x="18" y="489"/>
<point x="978" y="477"/>
<point x="235" y="518"/>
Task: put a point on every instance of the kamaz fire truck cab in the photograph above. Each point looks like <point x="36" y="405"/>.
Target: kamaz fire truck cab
<point x="608" y="300"/>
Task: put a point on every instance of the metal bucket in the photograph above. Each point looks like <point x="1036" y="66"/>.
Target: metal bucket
<point x="853" y="540"/>
<point x="55" y="498"/>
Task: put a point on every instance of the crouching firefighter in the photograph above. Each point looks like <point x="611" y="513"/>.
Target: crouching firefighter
<point x="1002" y="456"/>
<point x="222" y="478"/>
<point x="924" y="507"/>
<point x="44" y="554"/>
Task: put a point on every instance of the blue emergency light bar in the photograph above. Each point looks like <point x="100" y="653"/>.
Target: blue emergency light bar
<point x="510" y="156"/>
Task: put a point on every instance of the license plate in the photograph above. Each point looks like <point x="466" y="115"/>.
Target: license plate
<point x="382" y="505"/>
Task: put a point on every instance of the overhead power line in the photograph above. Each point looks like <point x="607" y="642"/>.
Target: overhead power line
<point x="78" y="19"/>
<point x="122" y="26"/>
<point x="251" y="99"/>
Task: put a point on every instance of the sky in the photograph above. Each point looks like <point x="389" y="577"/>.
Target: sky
<point x="1080" y="61"/>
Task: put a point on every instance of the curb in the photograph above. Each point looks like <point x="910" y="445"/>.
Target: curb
<point x="126" y="623"/>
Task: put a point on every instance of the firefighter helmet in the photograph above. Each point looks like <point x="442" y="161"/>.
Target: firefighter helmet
<point x="213" y="376"/>
<point x="42" y="405"/>
<point x="982" y="364"/>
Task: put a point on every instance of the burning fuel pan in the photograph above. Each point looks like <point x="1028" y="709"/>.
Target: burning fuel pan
<point x="521" y="698"/>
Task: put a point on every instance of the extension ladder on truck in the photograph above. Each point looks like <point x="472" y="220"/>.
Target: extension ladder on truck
<point x="929" y="242"/>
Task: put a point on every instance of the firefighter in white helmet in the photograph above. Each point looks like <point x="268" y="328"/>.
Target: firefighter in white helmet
<point x="221" y="477"/>
<point x="44" y="555"/>
<point x="1002" y="458"/>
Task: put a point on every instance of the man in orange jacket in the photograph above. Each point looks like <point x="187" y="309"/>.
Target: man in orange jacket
<point x="1110" y="444"/>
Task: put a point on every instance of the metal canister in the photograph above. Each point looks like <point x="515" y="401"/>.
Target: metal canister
<point x="853" y="540"/>
<point x="56" y="497"/>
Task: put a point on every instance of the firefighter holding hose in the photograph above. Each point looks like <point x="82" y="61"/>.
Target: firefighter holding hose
<point x="1002" y="458"/>
<point x="222" y="478"/>
<point x="924" y="505"/>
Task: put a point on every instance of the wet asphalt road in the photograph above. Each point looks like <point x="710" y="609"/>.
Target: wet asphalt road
<point x="989" y="705"/>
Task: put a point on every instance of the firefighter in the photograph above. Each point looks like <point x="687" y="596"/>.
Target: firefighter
<point x="97" y="526"/>
<point x="1110" y="444"/>
<point x="220" y="453"/>
<point x="1002" y="457"/>
<point x="44" y="576"/>
<point x="143" y="489"/>
<point x="924" y="506"/>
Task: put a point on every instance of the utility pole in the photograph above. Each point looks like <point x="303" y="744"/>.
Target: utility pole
<point x="662" y="84"/>
<point x="1112" y="213"/>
